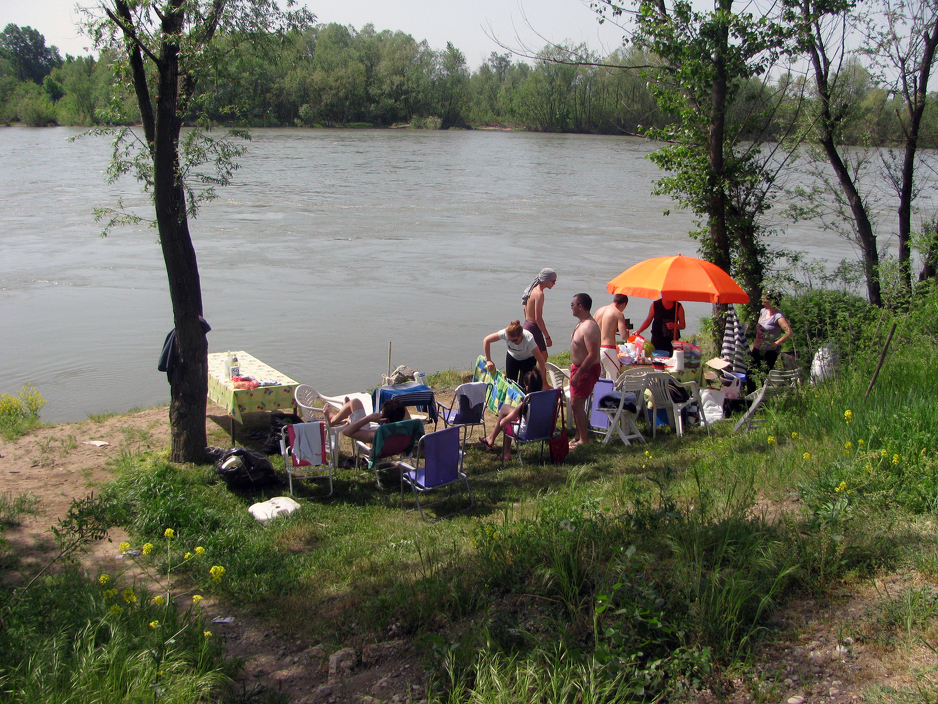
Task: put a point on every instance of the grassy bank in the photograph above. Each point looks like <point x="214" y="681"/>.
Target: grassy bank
<point x="627" y="574"/>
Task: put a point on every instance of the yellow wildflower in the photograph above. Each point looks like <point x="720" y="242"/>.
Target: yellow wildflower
<point x="196" y="598"/>
<point x="154" y="624"/>
<point x="104" y="579"/>
<point x="771" y="440"/>
<point x="648" y="454"/>
<point x="199" y="550"/>
<point x="869" y="467"/>
<point x="842" y="487"/>
<point x="217" y="573"/>
<point x="147" y="548"/>
<point x="116" y="610"/>
<point x="158" y="600"/>
<point x="187" y="556"/>
<point x="794" y="436"/>
<point x="848" y="445"/>
<point x="861" y="442"/>
<point x="883" y="453"/>
<point x="895" y="459"/>
<point x="129" y="596"/>
<point x="110" y="594"/>
<point x="207" y="634"/>
<point x="124" y="547"/>
<point x="806" y="456"/>
<point x="848" y="416"/>
<point x="169" y="533"/>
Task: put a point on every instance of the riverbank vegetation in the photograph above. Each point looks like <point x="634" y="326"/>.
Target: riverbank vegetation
<point x="334" y="75"/>
<point x="640" y="573"/>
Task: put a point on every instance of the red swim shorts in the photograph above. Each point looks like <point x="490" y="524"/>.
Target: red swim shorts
<point x="584" y="385"/>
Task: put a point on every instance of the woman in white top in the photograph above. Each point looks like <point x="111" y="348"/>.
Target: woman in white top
<point x="523" y="352"/>
<point x="771" y="331"/>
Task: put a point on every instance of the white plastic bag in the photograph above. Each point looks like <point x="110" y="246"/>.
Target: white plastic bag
<point x="712" y="400"/>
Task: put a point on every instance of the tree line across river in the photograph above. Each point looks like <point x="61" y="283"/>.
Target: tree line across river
<point x="333" y="75"/>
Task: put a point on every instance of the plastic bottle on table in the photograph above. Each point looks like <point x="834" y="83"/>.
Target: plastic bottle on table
<point x="235" y="367"/>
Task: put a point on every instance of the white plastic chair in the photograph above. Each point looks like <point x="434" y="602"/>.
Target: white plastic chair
<point x="560" y="379"/>
<point x="306" y="397"/>
<point x="658" y="384"/>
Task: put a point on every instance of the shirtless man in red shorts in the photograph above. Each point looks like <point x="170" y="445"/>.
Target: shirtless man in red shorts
<point x="584" y="364"/>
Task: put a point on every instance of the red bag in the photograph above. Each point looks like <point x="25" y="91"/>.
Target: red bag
<point x="560" y="444"/>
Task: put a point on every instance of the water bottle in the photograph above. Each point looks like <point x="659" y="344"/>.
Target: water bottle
<point x="235" y="368"/>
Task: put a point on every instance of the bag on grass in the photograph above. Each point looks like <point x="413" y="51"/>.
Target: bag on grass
<point x="278" y="420"/>
<point x="560" y="444"/>
<point x="246" y="469"/>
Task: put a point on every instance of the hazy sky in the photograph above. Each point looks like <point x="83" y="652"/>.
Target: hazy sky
<point x="514" y="22"/>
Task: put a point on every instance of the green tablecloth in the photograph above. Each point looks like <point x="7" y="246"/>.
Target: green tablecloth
<point x="237" y="401"/>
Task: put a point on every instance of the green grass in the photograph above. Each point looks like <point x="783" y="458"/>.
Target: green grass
<point x="651" y="571"/>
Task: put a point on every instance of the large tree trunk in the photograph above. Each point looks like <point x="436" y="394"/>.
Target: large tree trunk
<point x="189" y="382"/>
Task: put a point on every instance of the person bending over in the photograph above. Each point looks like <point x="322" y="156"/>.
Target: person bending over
<point x="532" y="381"/>
<point x="523" y="352"/>
<point x="359" y="425"/>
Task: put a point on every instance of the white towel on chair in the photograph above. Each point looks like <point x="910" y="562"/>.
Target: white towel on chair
<point x="475" y="393"/>
<point x="308" y="443"/>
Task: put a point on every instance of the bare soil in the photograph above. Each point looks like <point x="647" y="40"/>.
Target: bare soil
<point x="831" y="650"/>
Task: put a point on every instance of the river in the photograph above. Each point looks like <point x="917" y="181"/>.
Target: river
<point x="328" y="245"/>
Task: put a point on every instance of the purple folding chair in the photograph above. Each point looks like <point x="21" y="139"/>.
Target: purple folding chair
<point x="441" y="467"/>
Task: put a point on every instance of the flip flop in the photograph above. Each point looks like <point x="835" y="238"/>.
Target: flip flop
<point x="484" y="442"/>
<point x="504" y="458"/>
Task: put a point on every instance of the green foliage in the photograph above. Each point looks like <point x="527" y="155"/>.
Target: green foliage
<point x="19" y="414"/>
<point x="27" y="47"/>
<point x="821" y="317"/>
<point x="72" y="639"/>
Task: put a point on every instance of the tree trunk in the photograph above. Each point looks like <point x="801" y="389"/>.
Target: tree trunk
<point x="915" y="103"/>
<point x="718" y="231"/>
<point x="189" y="382"/>
<point x="826" y="124"/>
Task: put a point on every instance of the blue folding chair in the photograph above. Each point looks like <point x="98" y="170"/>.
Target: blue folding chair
<point x="538" y="421"/>
<point x="441" y="468"/>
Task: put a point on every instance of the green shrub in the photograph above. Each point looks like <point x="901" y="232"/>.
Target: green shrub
<point x="19" y="414"/>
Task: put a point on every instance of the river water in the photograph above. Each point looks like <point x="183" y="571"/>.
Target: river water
<point x="329" y="245"/>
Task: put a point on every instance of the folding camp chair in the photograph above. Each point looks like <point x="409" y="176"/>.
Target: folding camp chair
<point x="391" y="440"/>
<point x="631" y="396"/>
<point x="303" y="446"/>
<point x="776" y="383"/>
<point x="539" y="420"/>
<point x="441" y="467"/>
<point x="468" y="407"/>
<point x="598" y="419"/>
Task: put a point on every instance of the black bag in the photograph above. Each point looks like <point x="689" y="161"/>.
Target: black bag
<point x="246" y="469"/>
<point x="277" y="422"/>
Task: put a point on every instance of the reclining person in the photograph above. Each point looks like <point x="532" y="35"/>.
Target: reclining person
<point x="358" y="427"/>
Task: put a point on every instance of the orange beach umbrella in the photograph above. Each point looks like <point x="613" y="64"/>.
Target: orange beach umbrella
<point x="678" y="278"/>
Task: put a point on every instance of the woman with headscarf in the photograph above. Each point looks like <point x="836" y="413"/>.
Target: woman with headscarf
<point x="533" y="301"/>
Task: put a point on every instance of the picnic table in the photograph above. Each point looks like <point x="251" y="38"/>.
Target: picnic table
<point x="222" y="391"/>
